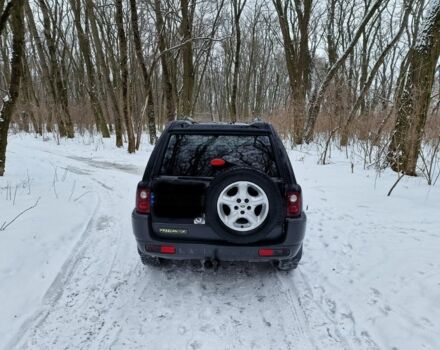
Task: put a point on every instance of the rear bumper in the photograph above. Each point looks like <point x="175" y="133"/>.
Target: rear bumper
<point x="184" y="250"/>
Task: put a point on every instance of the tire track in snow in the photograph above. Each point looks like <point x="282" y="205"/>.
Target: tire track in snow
<point x="294" y="306"/>
<point x="227" y="307"/>
<point x="322" y="329"/>
<point x="78" y="260"/>
<point x="105" y="298"/>
<point x="55" y="289"/>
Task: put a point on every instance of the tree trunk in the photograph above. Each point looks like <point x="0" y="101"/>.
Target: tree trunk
<point x="30" y="97"/>
<point x="412" y="107"/>
<point x="165" y="61"/>
<point x="298" y="61"/>
<point x="238" y="9"/>
<point x="146" y="76"/>
<point x="187" y="8"/>
<point x="6" y="111"/>
<point x="4" y="15"/>
<point x="124" y="76"/>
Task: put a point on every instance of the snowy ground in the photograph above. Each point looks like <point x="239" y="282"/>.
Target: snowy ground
<point x="71" y="279"/>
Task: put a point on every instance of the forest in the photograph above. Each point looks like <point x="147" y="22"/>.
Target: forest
<point x="336" y="73"/>
<point x="117" y="233"/>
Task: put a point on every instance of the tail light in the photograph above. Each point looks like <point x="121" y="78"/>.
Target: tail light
<point x="294" y="203"/>
<point x="143" y="195"/>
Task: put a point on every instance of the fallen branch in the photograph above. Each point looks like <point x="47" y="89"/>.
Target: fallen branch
<point x="5" y="225"/>
<point x="395" y="184"/>
<point x="76" y="199"/>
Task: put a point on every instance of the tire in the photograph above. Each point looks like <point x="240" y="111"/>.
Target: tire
<point x="259" y="187"/>
<point x="148" y="260"/>
<point x="289" y="264"/>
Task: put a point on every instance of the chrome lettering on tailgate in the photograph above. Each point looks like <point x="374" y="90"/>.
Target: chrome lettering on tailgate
<point x="173" y="231"/>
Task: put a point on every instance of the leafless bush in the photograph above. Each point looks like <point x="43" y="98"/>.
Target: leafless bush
<point x="430" y="161"/>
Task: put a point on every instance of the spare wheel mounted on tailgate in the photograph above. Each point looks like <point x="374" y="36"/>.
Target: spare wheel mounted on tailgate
<point x="243" y="205"/>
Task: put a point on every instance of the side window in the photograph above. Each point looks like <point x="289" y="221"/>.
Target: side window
<point x="190" y="155"/>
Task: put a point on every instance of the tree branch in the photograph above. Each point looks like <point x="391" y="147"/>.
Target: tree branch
<point x="5" y="225"/>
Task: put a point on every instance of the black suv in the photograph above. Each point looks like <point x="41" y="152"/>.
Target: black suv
<point x="219" y="192"/>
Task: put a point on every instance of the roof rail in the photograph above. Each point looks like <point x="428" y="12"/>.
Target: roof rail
<point x="186" y="118"/>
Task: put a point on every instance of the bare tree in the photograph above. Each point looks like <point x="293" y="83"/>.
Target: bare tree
<point x="55" y="72"/>
<point x="124" y="75"/>
<point x="84" y="45"/>
<point x="318" y="97"/>
<point x="412" y="106"/>
<point x="126" y="66"/>
<point x="368" y="81"/>
<point x="187" y="7"/>
<point x="297" y="56"/>
<point x="4" y="14"/>
<point x="17" y="29"/>
<point x="238" y="6"/>
<point x="145" y="75"/>
<point x="165" y="59"/>
<point x="104" y="70"/>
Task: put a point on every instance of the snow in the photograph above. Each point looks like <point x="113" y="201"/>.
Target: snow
<point x="71" y="278"/>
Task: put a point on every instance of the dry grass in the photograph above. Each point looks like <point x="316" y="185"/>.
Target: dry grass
<point x="363" y="128"/>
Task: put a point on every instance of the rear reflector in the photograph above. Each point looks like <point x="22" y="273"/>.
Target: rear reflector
<point x="167" y="249"/>
<point x="265" y="252"/>
<point x="273" y="252"/>
<point x="163" y="249"/>
<point x="217" y="162"/>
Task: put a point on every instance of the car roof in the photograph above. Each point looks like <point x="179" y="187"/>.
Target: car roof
<point x="191" y="126"/>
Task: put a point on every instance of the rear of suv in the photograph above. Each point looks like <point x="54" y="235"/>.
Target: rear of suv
<point x="219" y="192"/>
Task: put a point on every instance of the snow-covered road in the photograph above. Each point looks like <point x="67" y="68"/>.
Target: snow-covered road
<point x="370" y="278"/>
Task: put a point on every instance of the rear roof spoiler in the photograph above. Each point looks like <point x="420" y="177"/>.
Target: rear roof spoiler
<point x="189" y="125"/>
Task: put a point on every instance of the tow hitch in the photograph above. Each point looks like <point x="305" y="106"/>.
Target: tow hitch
<point x="211" y="263"/>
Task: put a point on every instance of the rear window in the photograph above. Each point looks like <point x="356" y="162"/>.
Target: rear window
<point x="190" y="155"/>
